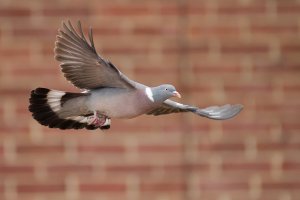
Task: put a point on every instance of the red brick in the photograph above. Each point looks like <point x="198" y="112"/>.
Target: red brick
<point x="290" y="165"/>
<point x="244" y="49"/>
<point x="288" y="8"/>
<point x="22" y="149"/>
<point x="290" y="48"/>
<point x="9" y="129"/>
<point x="13" y="169"/>
<point x="16" y="92"/>
<point x="153" y="70"/>
<point x="109" y="31"/>
<point x="101" y="149"/>
<point x="27" y="71"/>
<point x="169" y="186"/>
<point x="15" y="12"/>
<point x="102" y="187"/>
<point x="204" y="128"/>
<point x="33" y="32"/>
<point x="235" y="9"/>
<point x="214" y="31"/>
<point x="211" y="69"/>
<point x="125" y="50"/>
<point x="141" y="127"/>
<point x="246" y="166"/>
<point x="281" y="185"/>
<point x="129" y="168"/>
<point x="291" y="126"/>
<point x="186" y="167"/>
<point x="13" y="53"/>
<point x="274" y="29"/>
<point x="249" y="88"/>
<point x="292" y="88"/>
<point x="221" y="147"/>
<point x="65" y="11"/>
<point x="160" y="148"/>
<point x="278" y="146"/>
<point x="119" y="10"/>
<point x="40" y="188"/>
<point x="255" y="126"/>
<point x="278" y="67"/>
<point x="223" y="186"/>
<point x="151" y="31"/>
<point x="73" y="168"/>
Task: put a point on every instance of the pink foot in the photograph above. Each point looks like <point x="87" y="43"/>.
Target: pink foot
<point x="98" y="120"/>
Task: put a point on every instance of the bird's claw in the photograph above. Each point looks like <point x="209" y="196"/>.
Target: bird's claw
<point x="98" y="120"/>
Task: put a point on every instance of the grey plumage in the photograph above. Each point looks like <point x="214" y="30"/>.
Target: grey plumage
<point x="81" y="64"/>
<point x="108" y="92"/>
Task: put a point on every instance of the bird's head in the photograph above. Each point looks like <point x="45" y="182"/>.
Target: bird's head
<point x="162" y="93"/>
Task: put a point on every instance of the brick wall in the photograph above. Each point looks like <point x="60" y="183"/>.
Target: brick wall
<point x="213" y="51"/>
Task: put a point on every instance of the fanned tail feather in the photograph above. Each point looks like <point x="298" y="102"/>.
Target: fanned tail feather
<point x="45" y="105"/>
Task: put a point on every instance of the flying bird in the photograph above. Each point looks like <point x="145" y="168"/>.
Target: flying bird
<point x="107" y="92"/>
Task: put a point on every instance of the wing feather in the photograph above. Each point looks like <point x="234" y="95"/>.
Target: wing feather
<point x="81" y="64"/>
<point x="213" y="112"/>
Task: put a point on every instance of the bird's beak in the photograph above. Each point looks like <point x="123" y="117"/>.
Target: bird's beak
<point x="176" y="94"/>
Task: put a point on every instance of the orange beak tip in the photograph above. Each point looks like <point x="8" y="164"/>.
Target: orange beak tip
<point x="176" y="94"/>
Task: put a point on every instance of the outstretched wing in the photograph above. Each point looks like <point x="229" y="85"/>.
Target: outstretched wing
<point x="213" y="112"/>
<point x="81" y="64"/>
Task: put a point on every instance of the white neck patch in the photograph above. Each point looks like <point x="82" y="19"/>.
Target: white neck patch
<point x="149" y="94"/>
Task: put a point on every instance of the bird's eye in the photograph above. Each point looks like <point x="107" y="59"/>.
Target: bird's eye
<point x="166" y="89"/>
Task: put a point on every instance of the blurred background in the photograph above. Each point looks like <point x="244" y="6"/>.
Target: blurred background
<point x="214" y="51"/>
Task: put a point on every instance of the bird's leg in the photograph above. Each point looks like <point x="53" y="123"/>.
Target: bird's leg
<point x="106" y="125"/>
<point x="98" y="120"/>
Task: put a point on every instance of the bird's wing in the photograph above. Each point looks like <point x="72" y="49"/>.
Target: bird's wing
<point x="81" y="64"/>
<point x="213" y="112"/>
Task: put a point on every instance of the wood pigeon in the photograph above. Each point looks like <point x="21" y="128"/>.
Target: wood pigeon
<point x="107" y="94"/>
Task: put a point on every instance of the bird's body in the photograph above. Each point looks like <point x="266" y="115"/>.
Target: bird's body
<point x="108" y="92"/>
<point x="133" y="102"/>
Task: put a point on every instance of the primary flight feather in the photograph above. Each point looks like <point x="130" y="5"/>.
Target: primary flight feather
<point x="108" y="92"/>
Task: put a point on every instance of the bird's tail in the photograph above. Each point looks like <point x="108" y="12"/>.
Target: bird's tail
<point x="45" y="106"/>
